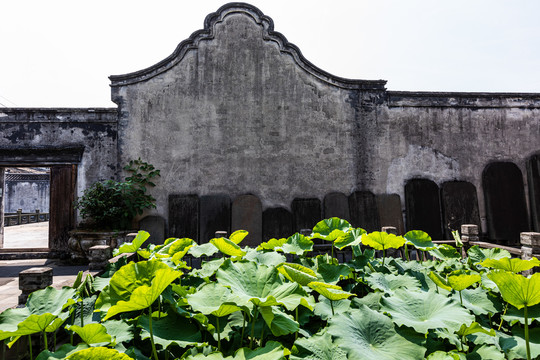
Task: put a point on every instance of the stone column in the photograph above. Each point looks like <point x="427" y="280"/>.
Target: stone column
<point x="99" y="256"/>
<point x="34" y="279"/>
<point x="469" y="232"/>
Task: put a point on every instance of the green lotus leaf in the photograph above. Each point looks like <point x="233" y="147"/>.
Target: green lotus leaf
<point x="330" y="229"/>
<point x="237" y="236"/>
<point x="227" y="247"/>
<point x="50" y="300"/>
<point x="440" y="281"/>
<point x="517" y="289"/>
<point x="329" y="291"/>
<point x="382" y="241"/>
<point x="332" y="273"/>
<point x="366" y="334"/>
<point x="460" y="280"/>
<point x="175" y="248"/>
<point x="479" y="301"/>
<point x="271" y="351"/>
<point x="268" y="258"/>
<point x="131" y="247"/>
<point x="171" y="329"/>
<point x="445" y="252"/>
<point x="128" y="278"/>
<point x="98" y="353"/>
<point x="297" y="244"/>
<point x="474" y="328"/>
<point x="120" y="330"/>
<point x="486" y="352"/>
<point x="514" y="346"/>
<point x="208" y="268"/>
<point x="213" y="299"/>
<point x="92" y="334"/>
<point x="143" y="296"/>
<point x="441" y="355"/>
<point x="419" y="239"/>
<point x="323" y="308"/>
<point x="297" y="273"/>
<point x="425" y="310"/>
<point x="477" y="254"/>
<point x="272" y="244"/>
<point x="353" y="237"/>
<point x="62" y="353"/>
<point x="279" y="322"/>
<point x="317" y="347"/>
<point x="371" y="300"/>
<point x="388" y="283"/>
<point x="514" y="315"/>
<point x="207" y="249"/>
<point x="258" y="284"/>
<point x="515" y="265"/>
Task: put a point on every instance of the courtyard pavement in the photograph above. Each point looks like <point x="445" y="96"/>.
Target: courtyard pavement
<point x="33" y="236"/>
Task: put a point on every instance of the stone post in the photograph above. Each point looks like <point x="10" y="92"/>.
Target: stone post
<point x="34" y="279"/>
<point x="469" y="232"/>
<point x="99" y="256"/>
<point x="530" y="246"/>
<point x="389" y="229"/>
<point x="221" y="234"/>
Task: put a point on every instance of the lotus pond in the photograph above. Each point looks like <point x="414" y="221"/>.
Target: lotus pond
<point x="280" y="301"/>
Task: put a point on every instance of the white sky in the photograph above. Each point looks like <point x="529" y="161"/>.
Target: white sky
<point x="59" y="53"/>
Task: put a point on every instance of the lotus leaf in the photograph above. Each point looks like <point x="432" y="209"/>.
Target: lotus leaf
<point x="353" y="238"/>
<point x="517" y="289"/>
<point x="441" y="355"/>
<point x="330" y="229"/>
<point x="268" y="258"/>
<point x="486" y="352"/>
<point x="323" y="308"/>
<point x="144" y="295"/>
<point x="297" y="273"/>
<point x="272" y="244"/>
<point x="271" y="351"/>
<point x="120" y="330"/>
<point x="329" y="291"/>
<point x="419" y="239"/>
<point x="227" y="247"/>
<point x="382" y="241"/>
<point x="297" y="244"/>
<point x="366" y="334"/>
<point x="317" y="347"/>
<point x="479" y="301"/>
<point x="445" y="252"/>
<point x="62" y="353"/>
<point x="515" y="265"/>
<point x="207" y="249"/>
<point x="389" y="282"/>
<point x="258" y="284"/>
<point x="332" y="273"/>
<point x="514" y="346"/>
<point x="130" y="247"/>
<point x="477" y="254"/>
<point x="237" y="236"/>
<point x="98" y="353"/>
<point x="92" y="334"/>
<point x="174" y="248"/>
<point x="425" y="310"/>
<point x="279" y="322"/>
<point x="440" y="281"/>
<point x="171" y="329"/>
<point x="213" y="299"/>
<point x="514" y="315"/>
<point x="460" y="280"/>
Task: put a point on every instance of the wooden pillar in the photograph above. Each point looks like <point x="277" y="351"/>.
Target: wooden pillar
<point x="62" y="211"/>
<point x="2" y="189"/>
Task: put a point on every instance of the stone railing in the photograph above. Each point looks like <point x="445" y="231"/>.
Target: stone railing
<point x="20" y="218"/>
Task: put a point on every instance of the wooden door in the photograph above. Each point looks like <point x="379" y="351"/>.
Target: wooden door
<point x="62" y="211"/>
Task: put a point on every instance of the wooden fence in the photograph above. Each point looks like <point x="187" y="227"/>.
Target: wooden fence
<point x="20" y="218"/>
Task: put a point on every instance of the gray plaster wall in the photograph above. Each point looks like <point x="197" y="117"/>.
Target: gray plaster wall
<point x="42" y="137"/>
<point x="237" y="109"/>
<point x="26" y="195"/>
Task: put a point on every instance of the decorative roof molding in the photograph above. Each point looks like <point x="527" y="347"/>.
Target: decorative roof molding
<point x="268" y="34"/>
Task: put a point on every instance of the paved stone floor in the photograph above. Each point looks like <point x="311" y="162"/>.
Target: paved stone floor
<point x="34" y="235"/>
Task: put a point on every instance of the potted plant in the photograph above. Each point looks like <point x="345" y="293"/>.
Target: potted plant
<point x="109" y="207"/>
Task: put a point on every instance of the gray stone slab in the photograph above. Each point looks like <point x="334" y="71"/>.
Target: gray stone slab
<point x="184" y="216"/>
<point x="215" y="215"/>
<point x="306" y="213"/>
<point x="155" y="225"/>
<point x="277" y="223"/>
<point x="390" y="211"/>
<point x="246" y="214"/>
<point x="423" y="207"/>
<point x="506" y="210"/>
<point x="364" y="213"/>
<point x="336" y="204"/>
<point x="460" y="206"/>
<point x="533" y="180"/>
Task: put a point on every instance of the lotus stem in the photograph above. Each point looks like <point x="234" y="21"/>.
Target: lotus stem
<point x="527" y="333"/>
<point x="82" y="313"/>
<point x="218" y="334"/>
<point x="460" y="298"/>
<point x="154" y="352"/>
<point x="406" y="251"/>
<point x="30" y="344"/>
<point x="253" y="327"/>
<point x="45" y="343"/>
<point x="504" y="313"/>
<point x="262" y="336"/>
<point x="332" y="252"/>
<point x="243" y="329"/>
<point x="383" y="255"/>
<point x="72" y="323"/>
<point x="296" y="318"/>
<point x="332" y="306"/>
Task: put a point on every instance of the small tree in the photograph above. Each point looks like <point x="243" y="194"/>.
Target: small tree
<point x="113" y="204"/>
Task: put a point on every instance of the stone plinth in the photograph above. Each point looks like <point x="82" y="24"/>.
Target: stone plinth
<point x="34" y="279"/>
<point x="99" y="256"/>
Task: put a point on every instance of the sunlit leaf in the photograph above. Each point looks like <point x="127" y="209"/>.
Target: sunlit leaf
<point x="514" y="265"/>
<point x="517" y="289"/>
<point x="207" y="249"/>
<point x="329" y="291"/>
<point x="98" y="353"/>
<point x="445" y="252"/>
<point x="92" y="334"/>
<point x="461" y="280"/>
<point x="388" y="283"/>
<point x="477" y="254"/>
<point x="237" y="236"/>
<point x="297" y="273"/>
<point x="330" y="229"/>
<point x="272" y="244"/>
<point x="353" y="237"/>
<point x="297" y="244"/>
<point x="279" y="322"/>
<point x="419" y="239"/>
<point x="382" y="241"/>
<point x="171" y="329"/>
<point x="130" y="247"/>
<point x="318" y="347"/>
<point x="213" y="299"/>
<point x="227" y="247"/>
